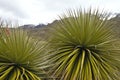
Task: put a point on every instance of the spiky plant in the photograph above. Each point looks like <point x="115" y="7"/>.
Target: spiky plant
<point x="83" y="48"/>
<point x="21" y="57"/>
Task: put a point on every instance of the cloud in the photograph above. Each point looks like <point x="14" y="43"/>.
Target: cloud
<point x="13" y="7"/>
<point x="43" y="11"/>
<point x="58" y="5"/>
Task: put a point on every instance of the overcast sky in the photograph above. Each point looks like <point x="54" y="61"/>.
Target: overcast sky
<point x="45" y="11"/>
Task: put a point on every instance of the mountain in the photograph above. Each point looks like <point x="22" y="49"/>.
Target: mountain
<point x="40" y="25"/>
<point x="27" y="26"/>
<point x="31" y="26"/>
<point x="115" y="22"/>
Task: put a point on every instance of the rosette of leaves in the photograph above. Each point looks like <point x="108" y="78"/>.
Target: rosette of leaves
<point x="82" y="47"/>
<point x="21" y="57"/>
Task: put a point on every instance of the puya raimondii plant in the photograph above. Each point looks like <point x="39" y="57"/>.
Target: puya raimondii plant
<point x="21" y="57"/>
<point x="82" y="47"/>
